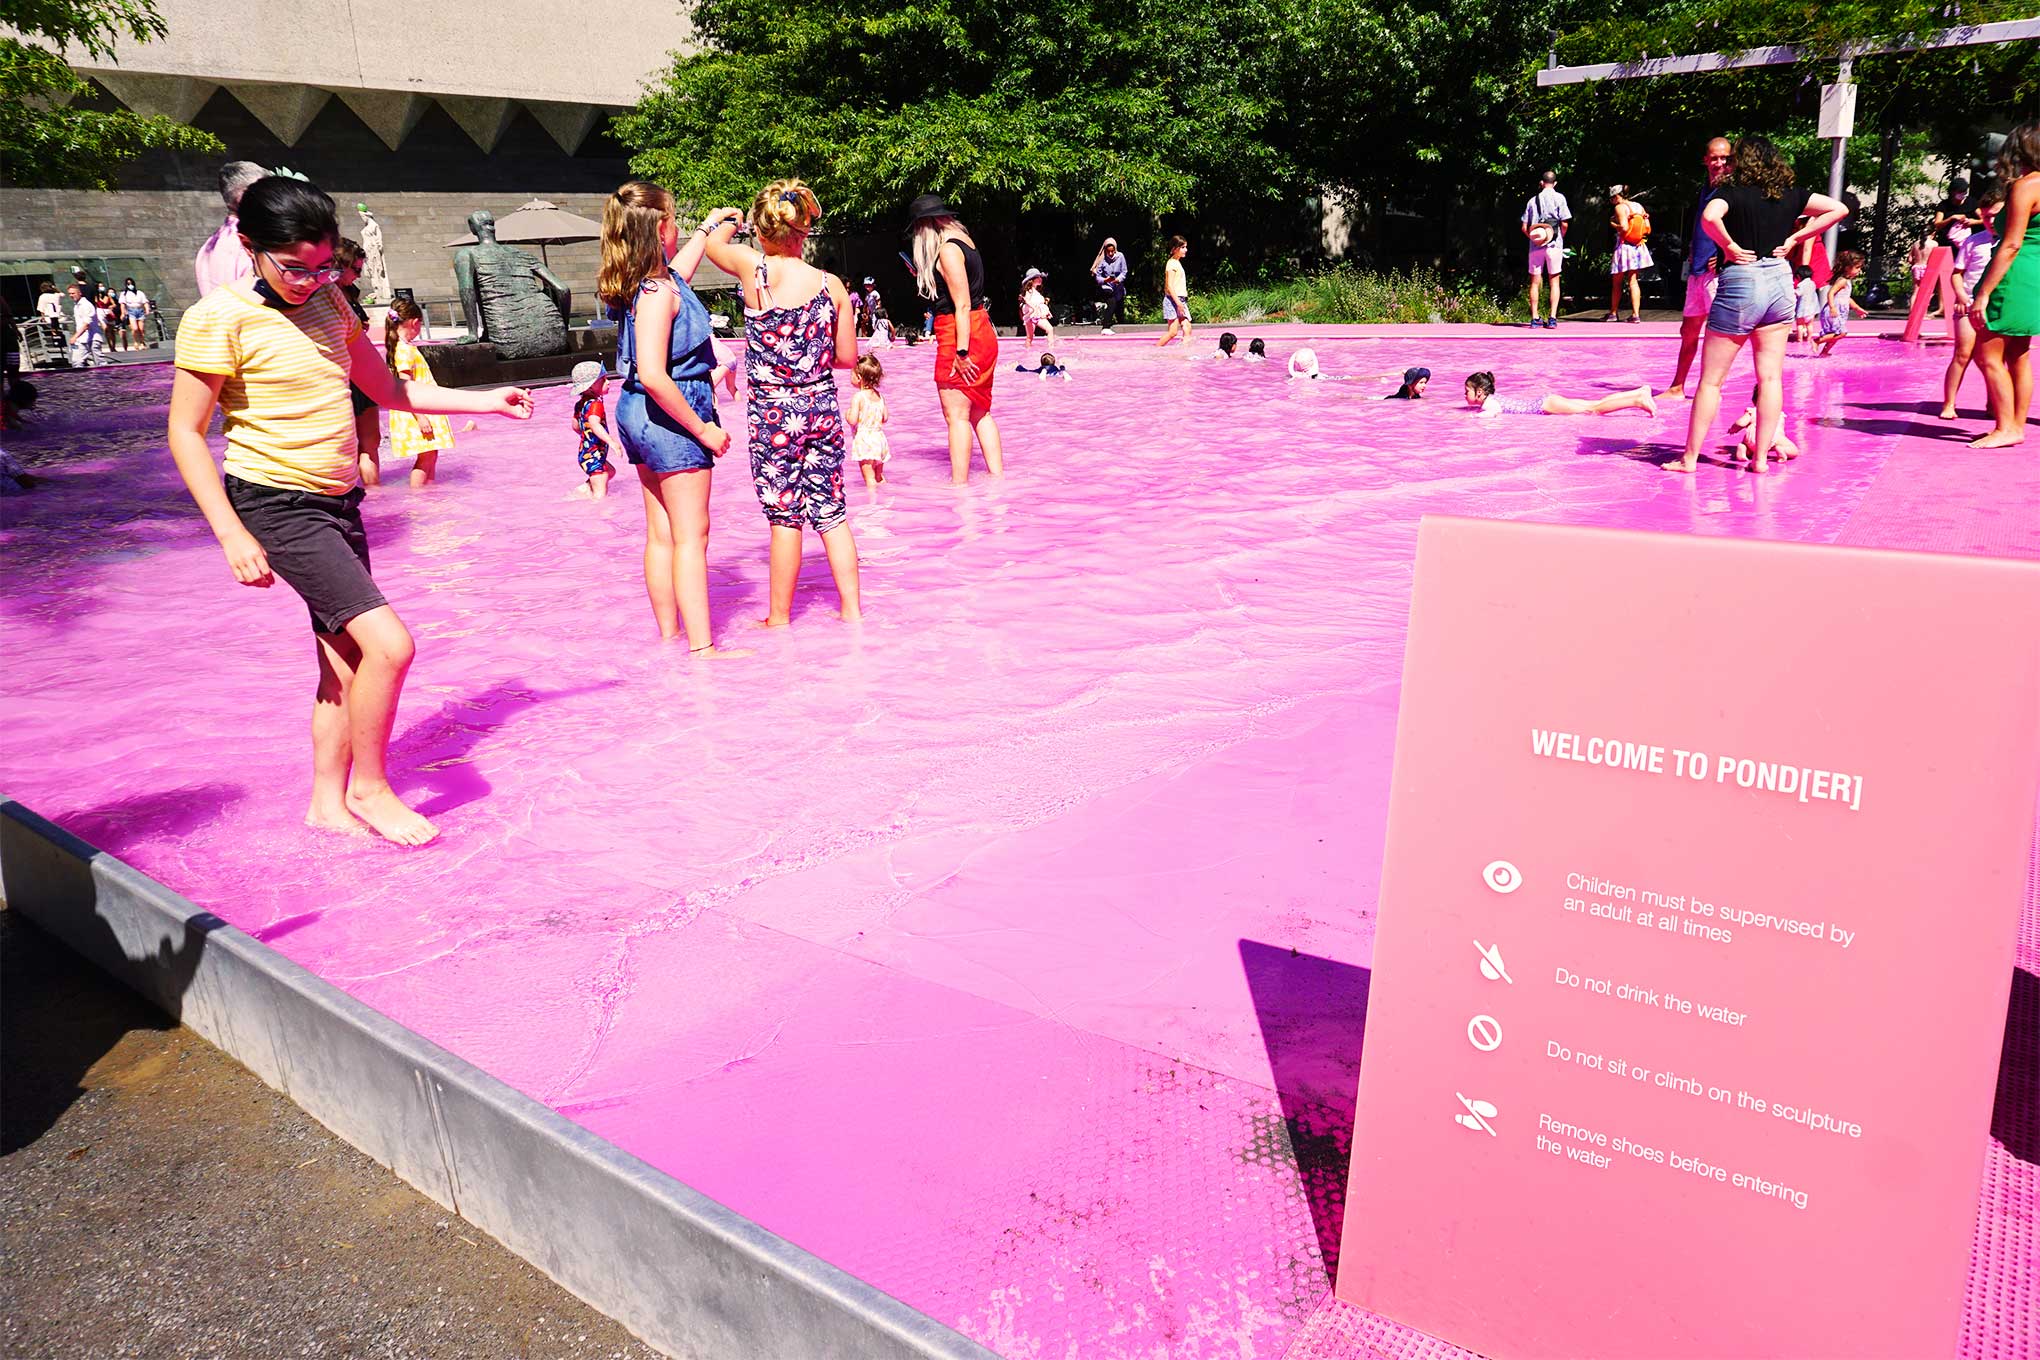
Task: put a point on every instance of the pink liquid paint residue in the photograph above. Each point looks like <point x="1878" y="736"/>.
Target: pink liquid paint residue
<point x="1010" y="951"/>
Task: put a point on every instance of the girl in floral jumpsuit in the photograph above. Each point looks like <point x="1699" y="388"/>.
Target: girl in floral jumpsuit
<point x="798" y="328"/>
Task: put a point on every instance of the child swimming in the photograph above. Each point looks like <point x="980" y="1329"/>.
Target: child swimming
<point x="866" y="416"/>
<point x="421" y="438"/>
<point x="1257" y="351"/>
<point x="1414" y="381"/>
<point x="1303" y="364"/>
<point x="591" y="425"/>
<point x="1047" y="368"/>
<point x="1481" y="395"/>
<point x="1227" y="344"/>
<point x="274" y="351"/>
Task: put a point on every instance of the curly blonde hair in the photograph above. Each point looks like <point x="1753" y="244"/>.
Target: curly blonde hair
<point x="631" y="249"/>
<point x="785" y="209"/>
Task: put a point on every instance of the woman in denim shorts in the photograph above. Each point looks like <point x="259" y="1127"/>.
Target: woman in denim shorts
<point x="1753" y="217"/>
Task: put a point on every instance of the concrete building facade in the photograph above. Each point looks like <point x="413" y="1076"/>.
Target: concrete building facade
<point x="424" y="110"/>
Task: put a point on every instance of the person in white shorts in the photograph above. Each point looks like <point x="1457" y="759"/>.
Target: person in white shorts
<point x="1544" y="222"/>
<point x="1700" y="275"/>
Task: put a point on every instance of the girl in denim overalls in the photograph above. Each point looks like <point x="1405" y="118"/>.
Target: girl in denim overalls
<point x="798" y="328"/>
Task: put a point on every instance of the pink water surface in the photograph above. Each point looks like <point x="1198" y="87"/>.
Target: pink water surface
<point x="1010" y="951"/>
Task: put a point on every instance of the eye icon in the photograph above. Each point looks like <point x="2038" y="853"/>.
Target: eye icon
<point x="1502" y="876"/>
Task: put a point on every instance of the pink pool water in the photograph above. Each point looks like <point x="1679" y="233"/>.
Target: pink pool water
<point x="1010" y="951"/>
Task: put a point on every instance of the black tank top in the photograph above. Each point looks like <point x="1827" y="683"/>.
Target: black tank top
<point x="973" y="277"/>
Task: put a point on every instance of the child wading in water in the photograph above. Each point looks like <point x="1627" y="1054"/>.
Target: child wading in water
<point x="1838" y="302"/>
<point x="1034" y="313"/>
<point x="868" y="446"/>
<point x="797" y="328"/>
<point x="1175" y="293"/>
<point x="1480" y="394"/>
<point x="415" y="436"/>
<point x="274" y="352"/>
<point x="591" y="425"/>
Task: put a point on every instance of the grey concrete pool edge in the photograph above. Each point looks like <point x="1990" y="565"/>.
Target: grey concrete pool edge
<point x="685" y="1273"/>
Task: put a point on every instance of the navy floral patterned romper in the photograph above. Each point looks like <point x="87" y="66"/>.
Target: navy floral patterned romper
<point x="796" y="426"/>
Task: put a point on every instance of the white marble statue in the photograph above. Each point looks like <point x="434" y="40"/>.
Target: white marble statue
<point x="375" y="273"/>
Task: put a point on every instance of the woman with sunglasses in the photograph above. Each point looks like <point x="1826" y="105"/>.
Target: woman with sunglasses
<point x="275" y="352"/>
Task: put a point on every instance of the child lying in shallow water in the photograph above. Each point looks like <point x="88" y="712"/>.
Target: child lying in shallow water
<point x="1481" y="395"/>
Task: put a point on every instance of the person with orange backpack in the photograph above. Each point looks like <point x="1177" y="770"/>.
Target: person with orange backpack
<point x="1632" y="255"/>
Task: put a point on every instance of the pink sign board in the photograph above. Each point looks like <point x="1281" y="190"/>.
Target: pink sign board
<point x="1695" y="943"/>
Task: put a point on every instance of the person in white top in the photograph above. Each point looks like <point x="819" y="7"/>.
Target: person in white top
<point x="86" y="339"/>
<point x="134" y="309"/>
<point x="1544" y="222"/>
<point x="49" y="304"/>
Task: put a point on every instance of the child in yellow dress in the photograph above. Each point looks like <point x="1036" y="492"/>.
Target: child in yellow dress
<point x="421" y="437"/>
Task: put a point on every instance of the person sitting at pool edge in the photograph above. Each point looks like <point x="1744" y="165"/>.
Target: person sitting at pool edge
<point x="1480" y="394"/>
<point x="1414" y="381"/>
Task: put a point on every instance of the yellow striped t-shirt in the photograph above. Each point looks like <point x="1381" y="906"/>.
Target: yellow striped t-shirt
<point x="289" y="420"/>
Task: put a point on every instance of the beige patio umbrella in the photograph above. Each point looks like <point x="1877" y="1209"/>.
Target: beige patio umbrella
<point x="539" y="223"/>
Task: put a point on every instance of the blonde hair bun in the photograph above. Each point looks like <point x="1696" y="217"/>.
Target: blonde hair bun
<point x="785" y="208"/>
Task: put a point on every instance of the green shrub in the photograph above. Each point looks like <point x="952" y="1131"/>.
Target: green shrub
<point x="1341" y="296"/>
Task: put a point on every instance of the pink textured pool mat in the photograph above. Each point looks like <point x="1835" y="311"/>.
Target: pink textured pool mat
<point x="1010" y="951"/>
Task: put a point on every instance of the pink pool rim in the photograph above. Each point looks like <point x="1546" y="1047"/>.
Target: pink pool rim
<point x="1010" y="950"/>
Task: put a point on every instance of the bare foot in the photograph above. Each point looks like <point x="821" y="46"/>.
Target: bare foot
<point x="1681" y="465"/>
<point x="855" y="615"/>
<point x="1759" y="463"/>
<point x="769" y="622"/>
<point x="1649" y="402"/>
<point x="1672" y="394"/>
<point x="389" y="816"/>
<point x="336" y="818"/>
<point x="1997" y="440"/>
<point x="715" y="653"/>
<point x="1948" y="413"/>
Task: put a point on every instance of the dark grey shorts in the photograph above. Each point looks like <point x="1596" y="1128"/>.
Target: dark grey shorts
<point x="315" y="544"/>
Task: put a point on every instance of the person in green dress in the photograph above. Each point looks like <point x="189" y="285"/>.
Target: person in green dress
<point x="2006" y="305"/>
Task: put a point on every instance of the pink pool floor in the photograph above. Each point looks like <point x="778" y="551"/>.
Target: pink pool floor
<point x="1010" y="951"/>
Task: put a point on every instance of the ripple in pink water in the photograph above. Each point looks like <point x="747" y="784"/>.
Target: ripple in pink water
<point x="1009" y="951"/>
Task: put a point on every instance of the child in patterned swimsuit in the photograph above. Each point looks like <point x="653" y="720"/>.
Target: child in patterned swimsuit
<point x="868" y="446"/>
<point x="797" y="327"/>
<point x="591" y="424"/>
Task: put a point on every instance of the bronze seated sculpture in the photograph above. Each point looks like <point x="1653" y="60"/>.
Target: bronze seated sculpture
<point x="511" y="301"/>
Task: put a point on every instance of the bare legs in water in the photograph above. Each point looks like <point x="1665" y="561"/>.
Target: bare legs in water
<point x="963" y="423"/>
<point x="1716" y="357"/>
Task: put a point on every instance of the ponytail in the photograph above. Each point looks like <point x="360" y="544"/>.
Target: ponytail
<point x="402" y="310"/>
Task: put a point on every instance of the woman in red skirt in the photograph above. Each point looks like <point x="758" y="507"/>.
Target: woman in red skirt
<point x="952" y="274"/>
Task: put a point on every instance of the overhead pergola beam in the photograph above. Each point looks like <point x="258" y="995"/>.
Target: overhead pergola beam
<point x="1702" y="63"/>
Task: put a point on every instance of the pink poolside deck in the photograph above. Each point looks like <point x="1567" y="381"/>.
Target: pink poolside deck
<point x="1011" y="951"/>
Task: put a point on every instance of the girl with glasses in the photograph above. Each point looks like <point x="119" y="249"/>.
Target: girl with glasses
<point x="275" y="352"/>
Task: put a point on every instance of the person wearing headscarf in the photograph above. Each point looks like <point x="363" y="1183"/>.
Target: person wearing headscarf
<point x="1109" y="270"/>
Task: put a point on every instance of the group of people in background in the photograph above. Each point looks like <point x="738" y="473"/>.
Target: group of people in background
<point x="95" y="319"/>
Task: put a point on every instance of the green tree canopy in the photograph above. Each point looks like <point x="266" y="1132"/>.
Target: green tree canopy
<point x="43" y="142"/>
<point x="1067" y="104"/>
